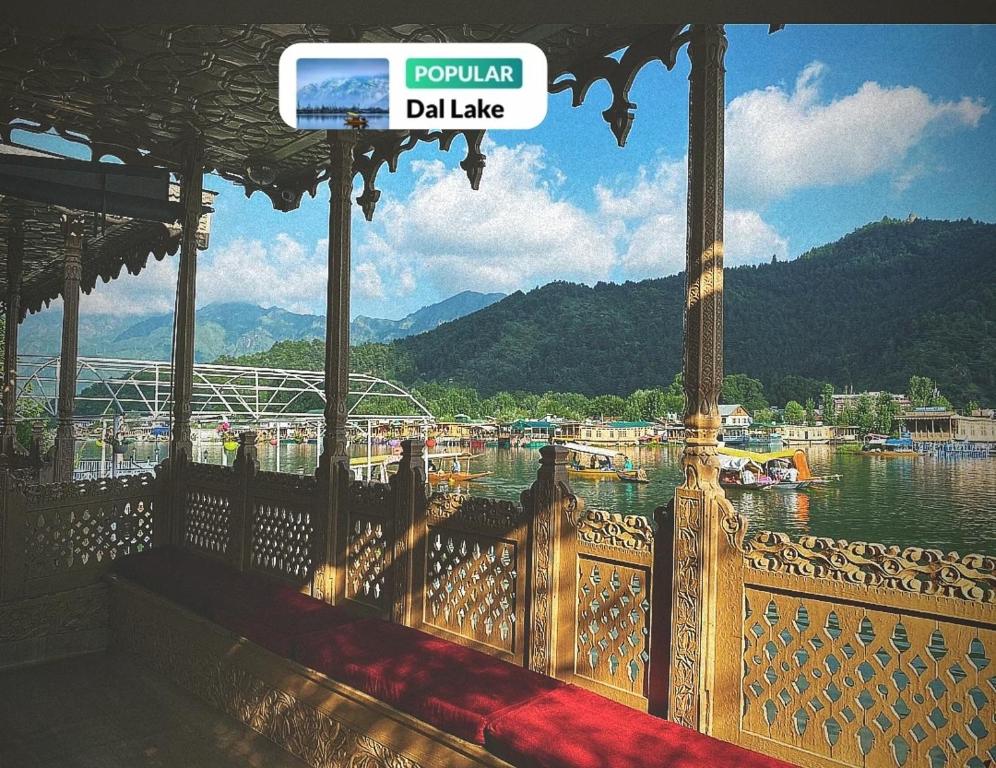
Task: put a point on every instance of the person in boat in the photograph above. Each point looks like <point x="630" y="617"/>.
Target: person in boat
<point x="628" y="464"/>
<point x="593" y="463"/>
<point x="792" y="475"/>
<point x="455" y="467"/>
<point x="747" y="477"/>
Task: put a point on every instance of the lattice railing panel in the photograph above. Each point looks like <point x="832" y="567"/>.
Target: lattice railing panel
<point x="208" y="520"/>
<point x="471" y="587"/>
<point x="863" y="686"/>
<point x="86" y="534"/>
<point x="613" y="627"/>
<point x="282" y="540"/>
<point x="366" y="560"/>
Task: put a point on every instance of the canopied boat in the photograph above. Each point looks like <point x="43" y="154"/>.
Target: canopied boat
<point x="592" y="463"/>
<point x="782" y="470"/>
<point x="888" y="447"/>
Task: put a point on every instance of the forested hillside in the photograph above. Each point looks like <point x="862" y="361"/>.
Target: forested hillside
<point x="891" y="300"/>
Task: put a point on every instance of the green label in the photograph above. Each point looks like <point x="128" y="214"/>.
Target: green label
<point x="463" y="73"/>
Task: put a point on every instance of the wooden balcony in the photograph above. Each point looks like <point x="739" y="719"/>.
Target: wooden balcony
<point x="842" y="654"/>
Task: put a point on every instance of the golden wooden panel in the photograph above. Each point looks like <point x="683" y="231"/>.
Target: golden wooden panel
<point x="613" y="624"/>
<point x="366" y="560"/>
<point x="471" y="587"/>
<point x="862" y="686"/>
<point x="281" y="539"/>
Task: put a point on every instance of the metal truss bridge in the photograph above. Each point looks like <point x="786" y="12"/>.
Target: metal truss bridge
<point x="141" y="389"/>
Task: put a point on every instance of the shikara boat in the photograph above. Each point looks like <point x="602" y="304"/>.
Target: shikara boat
<point x="750" y="470"/>
<point x="610" y="465"/>
<point x="356" y="120"/>
<point x="437" y="476"/>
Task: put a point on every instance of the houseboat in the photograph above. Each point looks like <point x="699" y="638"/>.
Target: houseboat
<point x="795" y="434"/>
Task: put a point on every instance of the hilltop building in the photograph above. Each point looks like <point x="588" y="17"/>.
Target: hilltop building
<point x="842" y="401"/>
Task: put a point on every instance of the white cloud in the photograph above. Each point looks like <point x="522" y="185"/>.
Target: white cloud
<point x="515" y="232"/>
<point x="367" y="282"/>
<point x="152" y="291"/>
<point x="648" y="218"/>
<point x="779" y="140"/>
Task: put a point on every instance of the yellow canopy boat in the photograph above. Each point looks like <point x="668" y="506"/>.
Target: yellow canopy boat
<point x="610" y="468"/>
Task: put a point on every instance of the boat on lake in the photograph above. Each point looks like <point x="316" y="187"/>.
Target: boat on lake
<point x="887" y="447"/>
<point x="356" y="120"/>
<point x="453" y="476"/>
<point x="590" y="463"/>
<point x="776" y="470"/>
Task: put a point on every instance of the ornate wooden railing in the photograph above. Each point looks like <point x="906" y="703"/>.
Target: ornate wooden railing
<point x="614" y="605"/>
<point x="832" y="653"/>
<point x="366" y="536"/>
<point x="861" y="654"/>
<point x="471" y="565"/>
<point x="57" y="537"/>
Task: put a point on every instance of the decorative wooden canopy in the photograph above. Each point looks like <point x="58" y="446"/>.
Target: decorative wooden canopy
<point x="110" y="244"/>
<point x="142" y="93"/>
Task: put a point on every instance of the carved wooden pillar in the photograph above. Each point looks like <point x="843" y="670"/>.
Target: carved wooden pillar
<point x="704" y="523"/>
<point x="333" y="466"/>
<point x="191" y="195"/>
<point x="15" y="260"/>
<point x="65" y="439"/>
<point x="410" y="501"/>
<point x="554" y="511"/>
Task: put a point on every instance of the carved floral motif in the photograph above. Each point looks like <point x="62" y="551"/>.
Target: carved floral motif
<point x="183" y="652"/>
<point x="914" y="569"/>
<point x="494" y="514"/>
<point x="598" y="528"/>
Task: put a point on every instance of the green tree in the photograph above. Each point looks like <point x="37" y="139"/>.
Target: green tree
<point x="794" y="413"/>
<point x="864" y="414"/>
<point x="920" y="391"/>
<point x="606" y="407"/>
<point x="886" y="411"/>
<point x="810" y="411"/>
<point x="826" y="404"/>
<point x="764" y="416"/>
<point x="742" y="389"/>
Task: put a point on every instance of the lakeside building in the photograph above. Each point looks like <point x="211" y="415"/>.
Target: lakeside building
<point x="801" y="434"/>
<point x="845" y="434"/>
<point x="939" y="425"/>
<point x="736" y="423"/>
<point x="850" y="399"/>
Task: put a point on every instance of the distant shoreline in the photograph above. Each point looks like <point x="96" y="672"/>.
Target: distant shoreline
<point x="339" y="111"/>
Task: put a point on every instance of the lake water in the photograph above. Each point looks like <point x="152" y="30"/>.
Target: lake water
<point x="925" y="501"/>
<point x="335" y="122"/>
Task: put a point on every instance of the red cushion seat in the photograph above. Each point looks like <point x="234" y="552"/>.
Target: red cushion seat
<point x="196" y="582"/>
<point x="276" y="615"/>
<point x="447" y="685"/>
<point x="572" y="728"/>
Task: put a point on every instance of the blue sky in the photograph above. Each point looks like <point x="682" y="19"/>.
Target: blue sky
<point x="827" y="128"/>
<point x="311" y="71"/>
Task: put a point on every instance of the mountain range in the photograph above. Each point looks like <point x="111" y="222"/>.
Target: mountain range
<point x="363" y="92"/>
<point x="891" y="300"/>
<point x="228" y="328"/>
